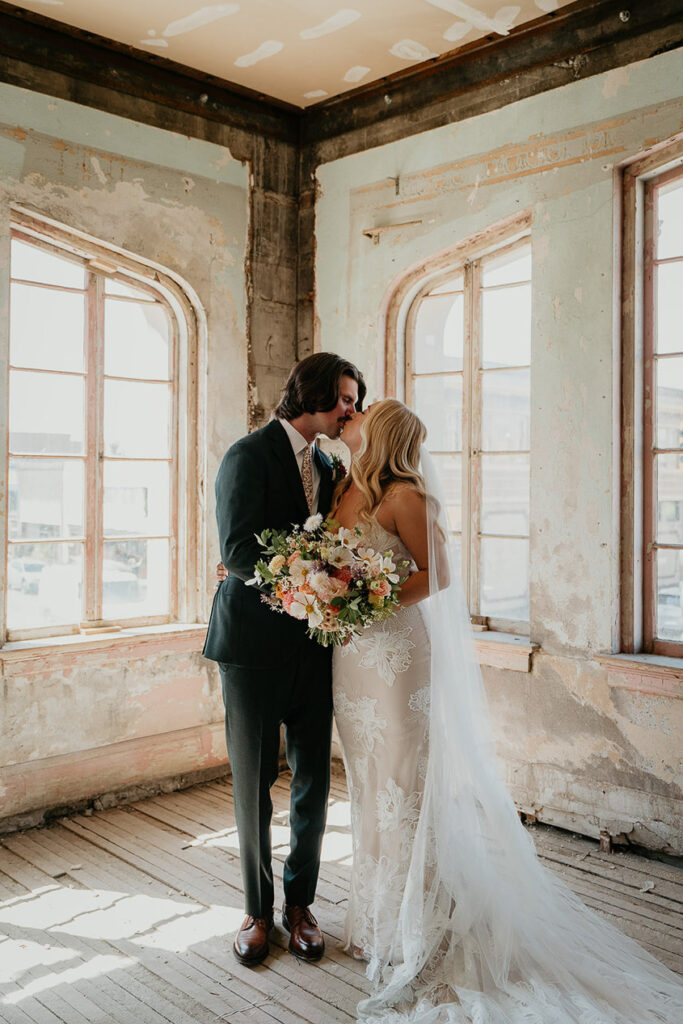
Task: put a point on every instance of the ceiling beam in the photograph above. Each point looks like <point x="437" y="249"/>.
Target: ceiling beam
<point x="573" y="42"/>
<point x="577" y="41"/>
<point x="34" y="48"/>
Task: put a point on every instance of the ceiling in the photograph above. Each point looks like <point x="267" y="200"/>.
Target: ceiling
<point x="299" y="51"/>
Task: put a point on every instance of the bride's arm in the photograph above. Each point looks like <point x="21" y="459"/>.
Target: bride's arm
<point x="409" y="510"/>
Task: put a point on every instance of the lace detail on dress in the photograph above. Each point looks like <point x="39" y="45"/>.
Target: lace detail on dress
<point x="387" y="649"/>
<point x="420" y="701"/>
<point x="382" y="713"/>
<point x="396" y="811"/>
<point x="362" y="714"/>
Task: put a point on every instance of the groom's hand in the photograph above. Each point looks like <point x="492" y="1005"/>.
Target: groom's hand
<point x="221" y="574"/>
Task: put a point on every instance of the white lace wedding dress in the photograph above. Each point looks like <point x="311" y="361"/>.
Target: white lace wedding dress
<point x="381" y="706"/>
<point x="449" y="904"/>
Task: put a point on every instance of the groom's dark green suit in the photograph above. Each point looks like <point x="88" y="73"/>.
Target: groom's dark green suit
<point x="270" y="670"/>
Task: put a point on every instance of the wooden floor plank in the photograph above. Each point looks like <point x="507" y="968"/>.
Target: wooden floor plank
<point x="157" y="888"/>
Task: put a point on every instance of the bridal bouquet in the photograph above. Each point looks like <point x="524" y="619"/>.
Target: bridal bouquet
<point x="321" y="572"/>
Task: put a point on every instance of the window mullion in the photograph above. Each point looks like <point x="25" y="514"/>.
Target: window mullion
<point x="94" y="462"/>
<point x="475" y="439"/>
<point x="177" y="522"/>
<point x="466" y="538"/>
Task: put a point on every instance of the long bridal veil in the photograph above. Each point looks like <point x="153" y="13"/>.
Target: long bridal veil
<point x="485" y="933"/>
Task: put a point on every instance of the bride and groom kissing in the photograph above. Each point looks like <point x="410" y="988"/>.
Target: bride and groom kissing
<point x="449" y="905"/>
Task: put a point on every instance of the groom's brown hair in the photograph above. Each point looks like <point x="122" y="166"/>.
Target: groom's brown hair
<point x="313" y="385"/>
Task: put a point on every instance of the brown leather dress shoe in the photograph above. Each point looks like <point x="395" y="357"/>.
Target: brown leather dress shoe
<point x="305" y="938"/>
<point x="251" y="942"/>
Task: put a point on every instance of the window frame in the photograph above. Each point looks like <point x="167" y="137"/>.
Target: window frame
<point x="651" y="642"/>
<point x="186" y="526"/>
<point x="470" y="266"/>
<point x="640" y="178"/>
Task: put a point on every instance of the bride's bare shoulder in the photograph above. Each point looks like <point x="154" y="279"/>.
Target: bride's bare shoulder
<point x="403" y="501"/>
<point x="400" y="491"/>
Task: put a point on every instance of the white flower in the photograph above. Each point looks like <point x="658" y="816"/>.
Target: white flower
<point x="389" y="568"/>
<point x="276" y="563"/>
<point x="299" y="571"/>
<point x="305" y="606"/>
<point x="371" y="559"/>
<point x="340" y="556"/>
<point x="345" y="537"/>
<point x="313" y="522"/>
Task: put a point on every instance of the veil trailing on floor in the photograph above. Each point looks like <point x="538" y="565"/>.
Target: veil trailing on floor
<point x="485" y="933"/>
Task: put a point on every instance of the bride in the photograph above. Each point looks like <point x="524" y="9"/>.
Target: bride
<point x="449" y="905"/>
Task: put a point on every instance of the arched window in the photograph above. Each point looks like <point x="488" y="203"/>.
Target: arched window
<point x="467" y="374"/>
<point x="95" y="381"/>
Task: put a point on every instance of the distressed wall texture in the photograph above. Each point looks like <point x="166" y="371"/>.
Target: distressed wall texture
<point x="577" y="750"/>
<point x="223" y="191"/>
<point x="84" y="721"/>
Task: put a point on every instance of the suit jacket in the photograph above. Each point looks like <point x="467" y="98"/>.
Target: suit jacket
<point x="258" y="485"/>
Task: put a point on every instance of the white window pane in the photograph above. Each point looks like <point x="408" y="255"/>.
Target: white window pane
<point x="449" y="468"/>
<point x="112" y="287"/>
<point x="45" y="585"/>
<point x="506" y="327"/>
<point x="135" y="579"/>
<point x="505" y="578"/>
<point x="505" y="410"/>
<point x="136" y="419"/>
<point x="33" y="263"/>
<point x="438" y="403"/>
<point x="453" y="284"/>
<point x="439" y="334"/>
<point x="670" y="217"/>
<point x="669" y="591"/>
<point x="136" y="340"/>
<point x="508" y="268"/>
<point x="669" y="490"/>
<point x="46" y="328"/>
<point x="46" y="414"/>
<point x="136" y="498"/>
<point x="670" y="403"/>
<point x="505" y="494"/>
<point x="669" y="311"/>
<point x="45" y="498"/>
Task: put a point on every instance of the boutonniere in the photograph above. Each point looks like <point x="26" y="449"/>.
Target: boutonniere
<point x="338" y="468"/>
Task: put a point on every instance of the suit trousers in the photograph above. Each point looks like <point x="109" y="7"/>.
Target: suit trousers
<point x="257" y="701"/>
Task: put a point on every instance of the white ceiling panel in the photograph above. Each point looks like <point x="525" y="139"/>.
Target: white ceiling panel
<point x="300" y="51"/>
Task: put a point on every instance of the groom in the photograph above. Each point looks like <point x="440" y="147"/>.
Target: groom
<point x="271" y="672"/>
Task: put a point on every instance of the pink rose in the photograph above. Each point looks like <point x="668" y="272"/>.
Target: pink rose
<point x="380" y="588"/>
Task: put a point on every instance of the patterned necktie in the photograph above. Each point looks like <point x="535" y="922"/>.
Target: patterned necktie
<point x="307" y="476"/>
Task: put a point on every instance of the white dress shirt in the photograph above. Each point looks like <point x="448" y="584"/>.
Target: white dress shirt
<point x="299" y="443"/>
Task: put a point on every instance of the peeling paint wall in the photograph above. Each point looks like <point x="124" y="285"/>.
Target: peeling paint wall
<point x="583" y="753"/>
<point x="99" y="720"/>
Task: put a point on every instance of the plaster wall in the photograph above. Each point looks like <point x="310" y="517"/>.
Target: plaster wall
<point x="82" y="722"/>
<point x="575" y="750"/>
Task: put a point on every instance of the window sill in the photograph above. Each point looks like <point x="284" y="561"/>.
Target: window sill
<point x="645" y="673"/>
<point x="504" y="650"/>
<point x="28" y="657"/>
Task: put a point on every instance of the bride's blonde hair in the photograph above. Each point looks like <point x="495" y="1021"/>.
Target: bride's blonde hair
<point x="390" y="453"/>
